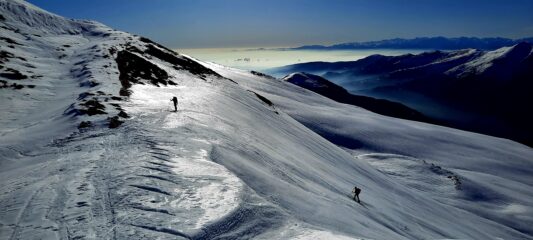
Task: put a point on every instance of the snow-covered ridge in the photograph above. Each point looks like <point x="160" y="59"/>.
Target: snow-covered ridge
<point x="19" y="11"/>
<point x="45" y="52"/>
<point x="309" y="79"/>
<point x="517" y="53"/>
<point x="245" y="156"/>
<point x="458" y="62"/>
<point x="481" y="63"/>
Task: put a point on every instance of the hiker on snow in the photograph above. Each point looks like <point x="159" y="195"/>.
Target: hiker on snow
<point x="356" y="192"/>
<point x="175" y="100"/>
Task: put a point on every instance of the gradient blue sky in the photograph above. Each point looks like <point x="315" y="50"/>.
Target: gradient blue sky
<point x="269" y="23"/>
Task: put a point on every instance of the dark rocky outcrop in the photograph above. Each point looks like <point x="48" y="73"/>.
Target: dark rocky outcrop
<point x="260" y="74"/>
<point x="123" y="114"/>
<point x="13" y="74"/>
<point x="114" y="122"/>
<point x="264" y="99"/>
<point x="10" y="41"/>
<point x="85" y="124"/>
<point x="179" y="62"/>
<point x="92" y="107"/>
<point x="135" y="69"/>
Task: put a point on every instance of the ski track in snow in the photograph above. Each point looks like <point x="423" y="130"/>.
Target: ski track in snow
<point x="153" y="178"/>
<point x="132" y="181"/>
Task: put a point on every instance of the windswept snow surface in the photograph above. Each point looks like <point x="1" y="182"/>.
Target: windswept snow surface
<point x="433" y="182"/>
<point x="161" y="174"/>
<point x="230" y="163"/>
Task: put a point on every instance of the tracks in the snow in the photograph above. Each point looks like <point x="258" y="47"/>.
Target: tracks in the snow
<point x="136" y="182"/>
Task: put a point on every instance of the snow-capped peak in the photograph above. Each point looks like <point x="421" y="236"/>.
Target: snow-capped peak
<point x="21" y="12"/>
<point x="485" y="61"/>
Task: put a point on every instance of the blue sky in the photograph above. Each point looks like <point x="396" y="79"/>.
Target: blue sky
<point x="269" y="23"/>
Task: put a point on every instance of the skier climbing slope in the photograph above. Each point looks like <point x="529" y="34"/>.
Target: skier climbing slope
<point x="175" y="101"/>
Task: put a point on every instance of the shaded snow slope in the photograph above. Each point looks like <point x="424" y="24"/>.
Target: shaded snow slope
<point x="482" y="91"/>
<point x="335" y="92"/>
<point x="230" y="163"/>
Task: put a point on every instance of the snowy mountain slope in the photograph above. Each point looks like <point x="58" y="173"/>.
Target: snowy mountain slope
<point x="380" y="64"/>
<point x="64" y="67"/>
<point x="481" y="91"/>
<point x="60" y="63"/>
<point x="126" y="183"/>
<point x="230" y="163"/>
<point x="459" y="170"/>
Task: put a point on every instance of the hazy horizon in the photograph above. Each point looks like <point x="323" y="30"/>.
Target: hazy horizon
<point x="258" y="59"/>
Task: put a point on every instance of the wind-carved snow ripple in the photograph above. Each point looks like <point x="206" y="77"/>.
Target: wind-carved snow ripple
<point x="217" y="196"/>
<point x="212" y="192"/>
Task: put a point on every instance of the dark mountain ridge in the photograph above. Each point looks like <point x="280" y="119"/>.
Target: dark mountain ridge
<point x="442" y="43"/>
<point x="333" y="91"/>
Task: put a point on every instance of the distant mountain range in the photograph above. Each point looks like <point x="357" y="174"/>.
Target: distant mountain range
<point x="484" y="91"/>
<point x="436" y="43"/>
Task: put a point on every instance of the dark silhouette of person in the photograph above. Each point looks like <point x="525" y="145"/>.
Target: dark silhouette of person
<point x="175" y="100"/>
<point x="356" y="191"/>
